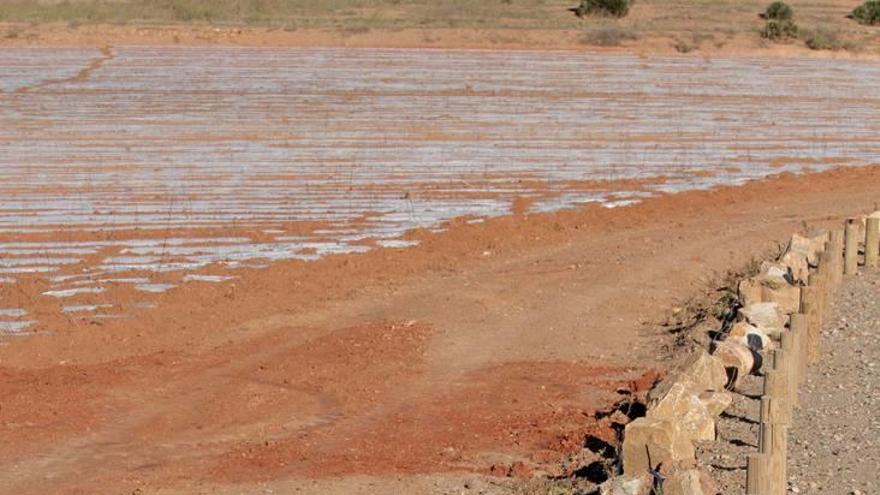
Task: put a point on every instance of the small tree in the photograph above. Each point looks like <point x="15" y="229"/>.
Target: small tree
<point x="867" y="13"/>
<point x="614" y="8"/>
<point x="778" y="11"/>
<point x="780" y="26"/>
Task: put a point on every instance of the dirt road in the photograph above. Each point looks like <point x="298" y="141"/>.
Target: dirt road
<point x="484" y="349"/>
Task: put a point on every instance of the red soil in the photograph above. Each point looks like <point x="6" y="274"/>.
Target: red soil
<point x="485" y="349"/>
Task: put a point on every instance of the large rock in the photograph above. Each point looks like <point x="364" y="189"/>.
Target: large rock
<point x="797" y="265"/>
<point x="682" y="405"/>
<point x="738" y="360"/>
<point x="750" y="291"/>
<point x="675" y="377"/>
<point x="750" y="336"/>
<point x="662" y="439"/>
<point x="716" y="402"/>
<point x="771" y="286"/>
<point x="689" y="482"/>
<point x="707" y="372"/>
<point x="766" y="315"/>
<point x="788" y="297"/>
<point x="774" y="274"/>
<point x="627" y="485"/>
<point x="810" y="247"/>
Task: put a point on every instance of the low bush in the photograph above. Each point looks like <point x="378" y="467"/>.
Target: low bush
<point x="778" y="11"/>
<point x="613" y="8"/>
<point x="779" y="30"/>
<point x="867" y="13"/>
<point x="780" y="26"/>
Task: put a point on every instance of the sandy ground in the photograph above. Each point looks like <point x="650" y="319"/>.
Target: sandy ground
<point x="484" y="350"/>
<point x="745" y="43"/>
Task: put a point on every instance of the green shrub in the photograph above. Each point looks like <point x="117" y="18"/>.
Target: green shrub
<point x="614" y="8"/>
<point x="867" y="13"/>
<point x="779" y="30"/>
<point x="780" y="26"/>
<point x="778" y="11"/>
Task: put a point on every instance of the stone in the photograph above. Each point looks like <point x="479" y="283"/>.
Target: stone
<point x="750" y="336"/>
<point x="766" y="315"/>
<point x="771" y="286"/>
<point x="797" y="265"/>
<point x="774" y="274"/>
<point x="689" y="482"/>
<point x="706" y="371"/>
<point x="675" y="377"/>
<point x="749" y="291"/>
<point x="810" y="247"/>
<point x="716" y="402"/>
<point x="626" y="485"/>
<point x="738" y="360"/>
<point x="662" y="439"/>
<point x="787" y="297"/>
<point x="682" y="405"/>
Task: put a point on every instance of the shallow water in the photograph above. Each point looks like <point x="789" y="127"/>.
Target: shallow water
<point x="373" y="142"/>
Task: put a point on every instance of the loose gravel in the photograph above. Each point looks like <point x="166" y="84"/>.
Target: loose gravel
<point x="834" y="443"/>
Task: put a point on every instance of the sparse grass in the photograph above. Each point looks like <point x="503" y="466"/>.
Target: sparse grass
<point x="608" y="36"/>
<point x="683" y="46"/>
<point x="730" y="21"/>
<point x="373" y="14"/>
<point x="823" y="38"/>
<point x="714" y="304"/>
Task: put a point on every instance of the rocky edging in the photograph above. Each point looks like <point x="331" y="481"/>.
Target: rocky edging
<point x="773" y="333"/>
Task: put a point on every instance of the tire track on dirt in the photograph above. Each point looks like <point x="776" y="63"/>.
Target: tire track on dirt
<point x="83" y="75"/>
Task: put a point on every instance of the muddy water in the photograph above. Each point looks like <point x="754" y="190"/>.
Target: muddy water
<point x="145" y="167"/>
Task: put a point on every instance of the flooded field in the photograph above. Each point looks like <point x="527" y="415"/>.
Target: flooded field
<point x="147" y="168"/>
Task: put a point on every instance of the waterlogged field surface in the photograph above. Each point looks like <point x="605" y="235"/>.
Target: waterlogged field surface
<point x="147" y="168"/>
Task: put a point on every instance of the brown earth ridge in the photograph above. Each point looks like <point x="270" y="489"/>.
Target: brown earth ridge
<point x="739" y="44"/>
<point x="485" y="349"/>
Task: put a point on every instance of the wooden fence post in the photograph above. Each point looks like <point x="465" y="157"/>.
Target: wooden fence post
<point x="798" y="328"/>
<point x="773" y="443"/>
<point x="757" y="475"/>
<point x="872" y="242"/>
<point x="810" y="307"/>
<point x="836" y="257"/>
<point x="787" y="361"/>
<point x="851" y="247"/>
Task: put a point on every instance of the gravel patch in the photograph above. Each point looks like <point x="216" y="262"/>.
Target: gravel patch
<point x="737" y="437"/>
<point x="833" y="444"/>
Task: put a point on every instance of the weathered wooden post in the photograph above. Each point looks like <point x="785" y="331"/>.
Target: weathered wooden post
<point x="773" y="442"/>
<point x="836" y="257"/>
<point x="798" y="328"/>
<point x="872" y="241"/>
<point x="787" y="362"/>
<point x="810" y="307"/>
<point x="758" y="475"/>
<point x="851" y="247"/>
